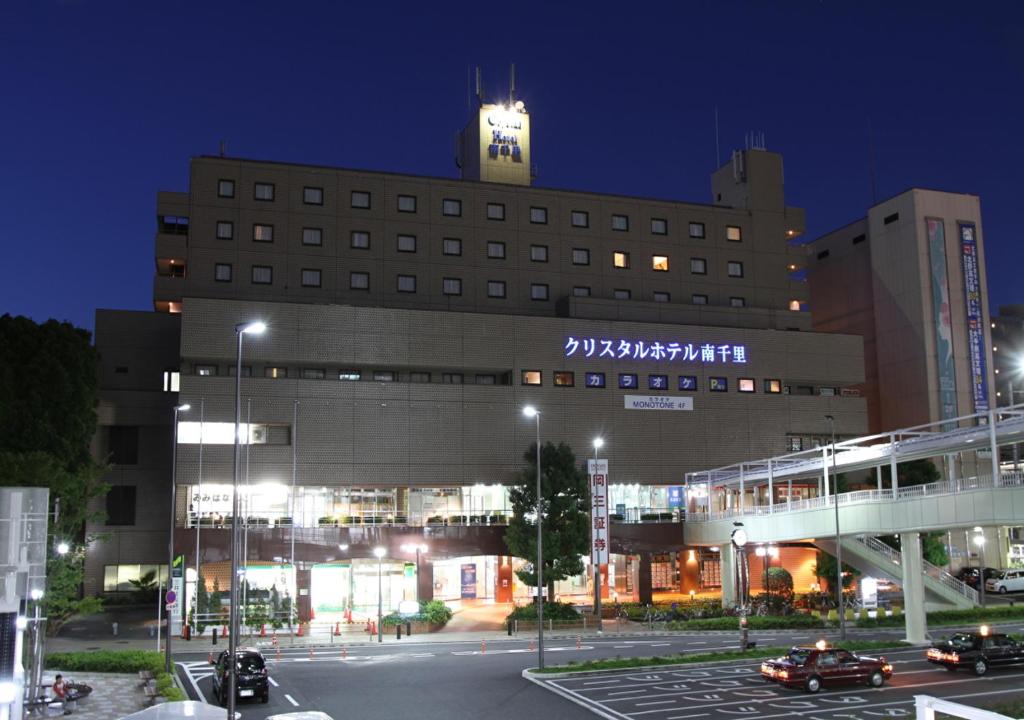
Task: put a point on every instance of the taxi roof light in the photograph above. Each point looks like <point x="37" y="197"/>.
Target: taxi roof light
<point x="821" y="644"/>
<point x="983" y="630"/>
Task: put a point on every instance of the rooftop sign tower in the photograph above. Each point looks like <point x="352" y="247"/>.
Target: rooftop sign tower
<point x="495" y="144"/>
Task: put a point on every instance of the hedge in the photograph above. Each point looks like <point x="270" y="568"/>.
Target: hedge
<point x="754" y="622"/>
<point x="552" y="611"/>
<point x="113" y="661"/>
<point x="434" y="612"/>
<point x="952" y="617"/>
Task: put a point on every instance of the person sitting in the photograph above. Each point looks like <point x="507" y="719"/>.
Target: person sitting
<point x="59" y="688"/>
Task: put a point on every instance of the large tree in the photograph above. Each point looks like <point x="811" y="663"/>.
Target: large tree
<point x="566" y="513"/>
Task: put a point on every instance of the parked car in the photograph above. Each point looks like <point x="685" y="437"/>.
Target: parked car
<point x="975" y="650"/>
<point x="812" y="667"/>
<point x="251" y="676"/>
<point x="969" y="575"/>
<point x="1007" y="581"/>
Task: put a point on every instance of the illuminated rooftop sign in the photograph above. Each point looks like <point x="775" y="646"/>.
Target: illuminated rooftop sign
<point x="619" y="349"/>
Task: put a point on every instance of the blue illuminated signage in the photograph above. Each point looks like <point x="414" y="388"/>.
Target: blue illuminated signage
<point x="503" y="142"/>
<point x="619" y="349"/>
<point x="595" y="379"/>
<point x="687" y="382"/>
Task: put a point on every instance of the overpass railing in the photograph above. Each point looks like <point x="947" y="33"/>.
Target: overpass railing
<point x="933" y="571"/>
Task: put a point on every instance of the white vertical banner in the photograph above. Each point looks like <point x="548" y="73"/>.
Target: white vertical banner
<point x="599" y="541"/>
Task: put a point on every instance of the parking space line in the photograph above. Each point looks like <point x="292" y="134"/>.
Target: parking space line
<point x="290" y="699"/>
<point x="273" y="682"/>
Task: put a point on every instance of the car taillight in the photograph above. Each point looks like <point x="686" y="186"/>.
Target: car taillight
<point x="954" y="657"/>
<point x="784" y="674"/>
<point x="887" y="668"/>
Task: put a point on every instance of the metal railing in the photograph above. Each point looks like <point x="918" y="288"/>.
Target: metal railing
<point x="933" y="571"/>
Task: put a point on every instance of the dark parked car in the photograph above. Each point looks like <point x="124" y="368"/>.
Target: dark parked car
<point x="970" y="575"/>
<point x="251" y="678"/>
<point x="976" y="650"/>
<point x="812" y="667"/>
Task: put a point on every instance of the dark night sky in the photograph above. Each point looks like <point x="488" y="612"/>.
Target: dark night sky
<point x="103" y="104"/>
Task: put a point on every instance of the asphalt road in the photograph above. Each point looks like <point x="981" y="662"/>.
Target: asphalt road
<point x="456" y="680"/>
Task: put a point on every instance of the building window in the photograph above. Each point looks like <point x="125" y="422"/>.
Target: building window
<point x="419" y="377"/>
<point x="622" y="294"/>
<point x="451" y="246"/>
<point x="120" y="503"/>
<point x="222" y="272"/>
<point x="172" y="381"/>
<point x="262" y="275"/>
<point x="226" y="188"/>
<point x="313" y="195"/>
<point x="360" y="240"/>
<point x="657" y="382"/>
<point x="620" y="259"/>
<point x="350" y="375"/>
<point x="581" y="291"/>
<point x="580" y="218"/>
<point x="737" y="302"/>
<point x="746" y="385"/>
<point x="264" y="192"/>
<point x="699" y="299"/>
<point x="733" y="233"/>
<point x="407" y="203"/>
<point x="696" y="230"/>
<point x="451" y="286"/>
<point x="383" y="375"/>
<point x="661" y="296"/>
<point x="313" y="373"/>
<point x="496" y="250"/>
<point x="627" y="381"/>
<point x="406" y="283"/>
<point x="172" y="224"/>
<point x="312" y="236"/>
<point x="452" y="378"/>
<point x="310" y="278"/>
<point x="659" y="226"/>
<point x="580" y="256"/>
<point x="539" y="215"/>
<point x="486" y="380"/>
<point x="451" y="208"/>
<point x="794" y="305"/>
<point x="890" y="219"/>
<point x="718" y="384"/>
<point x="688" y="383"/>
<point x="495" y="211"/>
<point x="773" y="387"/>
<point x="206" y="370"/>
<point x="262" y="233"/>
<point x="225" y="230"/>
<point x="496" y="288"/>
<point x="246" y="371"/>
<point x="698" y="266"/>
<point x="275" y="372"/>
<point x="735" y="269"/>
<point x="361" y="199"/>
<point x="620" y="223"/>
<point x="659" y="263"/>
<point x="531" y="377"/>
<point x="594" y="380"/>
<point x="539" y="253"/>
<point x="407" y="243"/>
<point x="829" y="391"/>
<point x="538" y="291"/>
<point x="564" y="378"/>
<point x="359" y="281"/>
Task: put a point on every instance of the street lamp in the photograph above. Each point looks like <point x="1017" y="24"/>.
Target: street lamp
<point x="63" y="548"/>
<point x="598" y="444"/>
<point x="170" y="541"/>
<point x="416" y="548"/>
<point x="379" y="552"/>
<point x="241" y="330"/>
<point x="531" y="412"/>
<point x="839" y="542"/>
<point x="979" y="540"/>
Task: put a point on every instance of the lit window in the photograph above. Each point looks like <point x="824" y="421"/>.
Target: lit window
<point x="657" y="382"/>
<point x="733" y="233"/>
<point x="581" y="291"/>
<point x="360" y="199"/>
<point x="495" y="211"/>
<point x="222" y="272"/>
<point x="538" y="291"/>
<point x="264" y="192"/>
<point x="496" y="288"/>
<point x="659" y="226"/>
<point x="661" y="296"/>
<point x="313" y="195"/>
<point x="580" y="256"/>
<point x="794" y="305"/>
<point x="276" y="373"/>
<point x="773" y="387"/>
<point x="407" y="243"/>
<point x="452" y="378"/>
<point x="698" y="266"/>
<point x="206" y="370"/>
<point x="451" y="286"/>
<point x="698" y="299"/>
<point x="359" y="281"/>
<point x="451" y="246"/>
<point x="579" y="218"/>
<point x="659" y="263"/>
<point x="226" y="188"/>
<point x="737" y="302"/>
<point x="564" y="379"/>
<point x="829" y="391"/>
<point x="496" y="250"/>
<point x="262" y="233"/>
<point x="620" y="222"/>
<point x="622" y="294"/>
<point x="262" y="275"/>
<point x="627" y="381"/>
<point x="313" y="373"/>
<point x="407" y="203"/>
<point x="312" y="236"/>
<point x="406" y="283"/>
<point x="688" y="383"/>
<point x="745" y="385"/>
<point x="539" y="215"/>
<point x="360" y="240"/>
<point x="350" y="375"/>
<point x="696" y="230"/>
<point x="620" y="259"/>
<point x="384" y="375"/>
<point x="594" y="380"/>
<point x="735" y="269"/>
<point x="451" y="208"/>
<point x="172" y="381"/>
<point x="539" y="253"/>
<point x="531" y="377"/>
<point x="225" y="230"/>
<point x="486" y="379"/>
<point x="718" y="384"/>
<point x="310" y="278"/>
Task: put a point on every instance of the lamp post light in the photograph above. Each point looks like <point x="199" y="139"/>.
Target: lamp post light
<point x="979" y="540"/>
<point x="839" y="542"/>
<point x="170" y="541"/>
<point x="598" y="444"/>
<point x="241" y="330"/>
<point x="379" y="552"/>
<point x="416" y="548"/>
<point x="531" y="412"/>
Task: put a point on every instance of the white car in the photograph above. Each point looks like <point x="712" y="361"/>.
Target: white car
<point x="1008" y="581"/>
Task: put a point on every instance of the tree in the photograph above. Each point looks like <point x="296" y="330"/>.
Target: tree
<point x="200" y="605"/>
<point x="912" y="472"/>
<point x="779" y="583"/>
<point x="63" y="579"/>
<point x="825" y="569"/>
<point x="564" y="496"/>
<point x="145" y="587"/>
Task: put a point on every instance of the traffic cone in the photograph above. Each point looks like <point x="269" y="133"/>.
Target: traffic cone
<point x="278" y="653"/>
<point x="483" y="647"/>
<point x="299" y="633"/>
<point x="310" y="653"/>
<point x="579" y="641"/>
<point x="224" y="630"/>
<point x="263" y="630"/>
<point x="344" y="653"/>
<point x="531" y="646"/>
<point x="209" y="658"/>
<point x="337" y="629"/>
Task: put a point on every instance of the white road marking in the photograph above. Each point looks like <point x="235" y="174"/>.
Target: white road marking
<point x="656" y="702"/>
<point x="660" y="644"/>
<point x="273" y="682"/>
<point x="195" y="685"/>
<point x="290" y="699"/>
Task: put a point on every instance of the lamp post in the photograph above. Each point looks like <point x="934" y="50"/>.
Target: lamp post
<point x="416" y="548"/>
<point x="598" y="444"/>
<point x="241" y="330"/>
<point x="379" y="552"/>
<point x="839" y="545"/>
<point x="531" y="412"/>
<point x="170" y="541"/>
<point x="979" y="540"/>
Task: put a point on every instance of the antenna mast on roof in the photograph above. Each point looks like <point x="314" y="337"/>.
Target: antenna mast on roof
<point x="223" y="148"/>
<point x="512" y="85"/>
<point x="718" y="152"/>
<point x="479" y="87"/>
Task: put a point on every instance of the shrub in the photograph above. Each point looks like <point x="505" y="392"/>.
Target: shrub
<point x="897" y="611"/>
<point x="434" y="612"/>
<point x="863" y="615"/>
<point x="833" y="615"/>
<point x="754" y="622"/>
<point x="848" y="613"/>
<point x="552" y="611"/>
<point x="116" y="661"/>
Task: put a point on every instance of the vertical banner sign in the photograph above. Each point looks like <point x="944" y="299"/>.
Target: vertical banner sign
<point x="941" y="317"/>
<point x="599" y="542"/>
<point x="178" y="587"/>
<point x="469" y="580"/>
<point x="975" y="318"/>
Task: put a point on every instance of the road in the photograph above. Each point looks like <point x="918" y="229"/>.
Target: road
<point x="463" y="680"/>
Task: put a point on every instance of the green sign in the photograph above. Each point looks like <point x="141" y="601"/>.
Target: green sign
<point x="410" y="570"/>
<point x="178" y="566"/>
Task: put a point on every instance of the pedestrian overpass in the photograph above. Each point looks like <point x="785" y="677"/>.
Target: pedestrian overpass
<point x="976" y="491"/>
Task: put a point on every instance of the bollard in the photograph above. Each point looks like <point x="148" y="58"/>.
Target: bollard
<point x="398" y="631"/>
<point x="215" y="636"/>
<point x="113" y="626"/>
<point x="408" y="629"/>
<point x="579" y="642"/>
<point x="508" y="627"/>
<point x="310" y="653"/>
<point x="278" y="656"/>
<point x="531" y="646"/>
